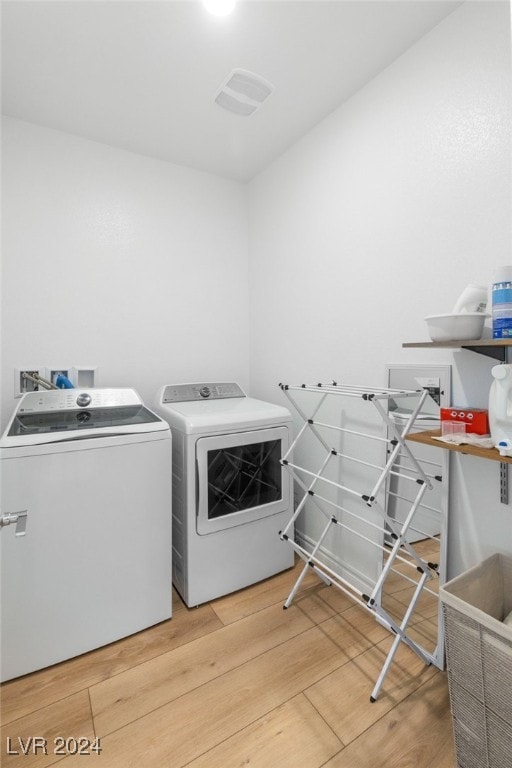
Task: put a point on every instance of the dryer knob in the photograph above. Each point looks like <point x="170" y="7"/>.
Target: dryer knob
<point x="205" y="392"/>
<point x="83" y="399"/>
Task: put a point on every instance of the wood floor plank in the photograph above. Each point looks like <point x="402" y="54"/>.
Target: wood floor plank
<point x="39" y="689"/>
<point x="182" y="730"/>
<point x="396" y="609"/>
<point x="261" y="595"/>
<point x="320" y="602"/>
<point x="343" y="698"/>
<point x="70" y="717"/>
<point x="399" y="578"/>
<point x="424" y="633"/>
<point x="134" y="693"/>
<point x="354" y="631"/>
<point x="426" y="607"/>
<point x="290" y="736"/>
<point x="415" y="734"/>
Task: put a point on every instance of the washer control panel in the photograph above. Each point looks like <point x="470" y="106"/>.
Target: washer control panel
<point x="181" y="393"/>
<point x="73" y="399"/>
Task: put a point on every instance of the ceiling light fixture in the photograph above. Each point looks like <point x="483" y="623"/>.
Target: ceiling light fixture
<point x="219" y="7"/>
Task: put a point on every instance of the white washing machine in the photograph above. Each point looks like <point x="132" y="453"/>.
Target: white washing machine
<point x="85" y="538"/>
<point x="231" y="497"/>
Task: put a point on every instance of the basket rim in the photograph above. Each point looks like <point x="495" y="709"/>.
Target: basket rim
<point x="448" y="594"/>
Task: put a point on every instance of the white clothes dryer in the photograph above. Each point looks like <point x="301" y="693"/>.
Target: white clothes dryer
<point x="85" y="528"/>
<point x="231" y="496"/>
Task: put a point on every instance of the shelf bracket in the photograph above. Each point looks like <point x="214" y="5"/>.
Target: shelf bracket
<point x="498" y="353"/>
<point x="503" y="482"/>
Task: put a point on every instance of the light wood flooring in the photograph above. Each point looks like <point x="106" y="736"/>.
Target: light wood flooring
<point x="240" y="682"/>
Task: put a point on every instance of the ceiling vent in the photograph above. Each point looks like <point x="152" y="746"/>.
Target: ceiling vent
<point x="243" y="92"/>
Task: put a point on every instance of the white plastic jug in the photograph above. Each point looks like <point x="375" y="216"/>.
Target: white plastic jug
<point x="472" y="299"/>
<point x="500" y="409"/>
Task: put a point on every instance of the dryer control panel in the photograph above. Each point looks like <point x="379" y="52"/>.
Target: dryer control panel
<point x="181" y="393"/>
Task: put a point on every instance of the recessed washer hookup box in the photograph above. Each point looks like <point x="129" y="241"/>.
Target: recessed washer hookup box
<point x="475" y="419"/>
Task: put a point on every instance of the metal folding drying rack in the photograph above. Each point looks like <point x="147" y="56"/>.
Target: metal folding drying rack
<point x="401" y="549"/>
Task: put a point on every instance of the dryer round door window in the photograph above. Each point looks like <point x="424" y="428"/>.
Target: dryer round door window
<point x="240" y="478"/>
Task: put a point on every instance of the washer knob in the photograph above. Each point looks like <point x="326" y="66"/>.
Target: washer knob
<point x="83" y="399"/>
<point x="205" y="392"/>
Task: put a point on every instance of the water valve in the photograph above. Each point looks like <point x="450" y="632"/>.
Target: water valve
<point x="20" y="518"/>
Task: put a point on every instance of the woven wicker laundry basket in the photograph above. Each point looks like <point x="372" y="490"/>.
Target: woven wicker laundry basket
<point x="479" y="662"/>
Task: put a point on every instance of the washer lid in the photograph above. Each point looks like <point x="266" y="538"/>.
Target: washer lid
<point x="222" y="415"/>
<point x="52" y="416"/>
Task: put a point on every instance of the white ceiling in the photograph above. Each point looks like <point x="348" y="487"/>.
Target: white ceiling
<point x="142" y="75"/>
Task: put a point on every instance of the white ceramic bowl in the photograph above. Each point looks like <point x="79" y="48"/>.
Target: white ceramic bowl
<point x="456" y="327"/>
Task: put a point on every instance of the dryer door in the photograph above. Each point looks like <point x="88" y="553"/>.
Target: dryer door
<point x="240" y="478"/>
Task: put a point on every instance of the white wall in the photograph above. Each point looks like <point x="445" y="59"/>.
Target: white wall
<point x="378" y="217"/>
<point x="120" y="261"/>
<point x="381" y="215"/>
